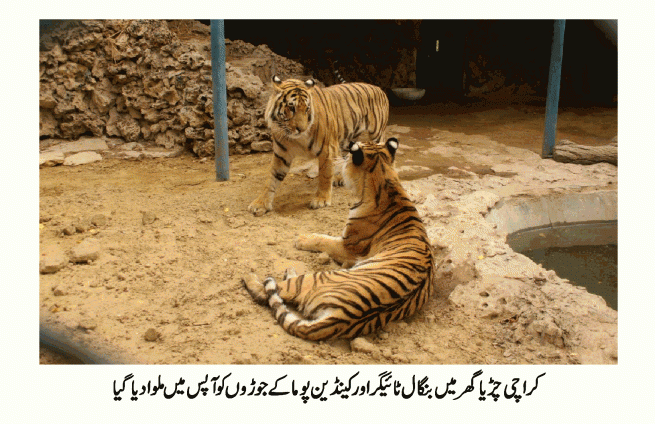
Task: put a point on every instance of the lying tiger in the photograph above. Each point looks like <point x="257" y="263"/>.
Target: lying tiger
<point x="306" y="120"/>
<point x="385" y="242"/>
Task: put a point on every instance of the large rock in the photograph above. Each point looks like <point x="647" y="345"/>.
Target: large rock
<point x="47" y="124"/>
<point x="191" y="117"/>
<point x="51" y="159"/>
<point x="102" y="97"/>
<point x="129" y="129"/>
<point x="237" y="80"/>
<point x="82" y="158"/>
<point x="82" y="145"/>
<point x="169" y="139"/>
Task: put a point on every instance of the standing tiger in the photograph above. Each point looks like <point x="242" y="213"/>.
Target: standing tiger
<point x="385" y="242"/>
<point x="306" y="120"/>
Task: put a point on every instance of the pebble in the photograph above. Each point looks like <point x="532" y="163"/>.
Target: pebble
<point x="399" y="358"/>
<point x="151" y="335"/>
<point x="148" y="218"/>
<point x="360" y="344"/>
<point x="52" y="260"/>
<point x="235" y="222"/>
<point x="205" y="219"/>
<point x="87" y="324"/>
<point x="82" y="226"/>
<point x="324" y="258"/>
<point x="69" y="230"/>
<point x="99" y="220"/>
<point x="87" y="250"/>
<point x="244" y="359"/>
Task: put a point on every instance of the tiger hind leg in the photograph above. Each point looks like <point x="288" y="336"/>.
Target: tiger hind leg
<point x="322" y="327"/>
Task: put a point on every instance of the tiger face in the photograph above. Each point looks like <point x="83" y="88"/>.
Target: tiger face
<point x="292" y="111"/>
<point x="363" y="160"/>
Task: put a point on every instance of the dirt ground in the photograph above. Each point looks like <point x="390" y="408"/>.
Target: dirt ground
<point x="168" y="290"/>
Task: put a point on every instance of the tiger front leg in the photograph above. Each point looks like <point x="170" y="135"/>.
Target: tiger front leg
<point x="279" y="169"/>
<point x="333" y="246"/>
<point x="338" y="180"/>
<point x="325" y="175"/>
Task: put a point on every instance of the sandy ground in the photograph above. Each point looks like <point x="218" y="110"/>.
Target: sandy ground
<point x="175" y="243"/>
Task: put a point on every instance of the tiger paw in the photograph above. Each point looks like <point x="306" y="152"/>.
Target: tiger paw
<point x="319" y="202"/>
<point x="260" y="206"/>
<point x="306" y="242"/>
<point x="338" y="180"/>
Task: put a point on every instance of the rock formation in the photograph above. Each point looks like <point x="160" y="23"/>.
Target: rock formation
<point x="150" y="81"/>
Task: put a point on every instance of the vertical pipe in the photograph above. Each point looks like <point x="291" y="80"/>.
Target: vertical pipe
<point x="221" y="149"/>
<point x="552" y="97"/>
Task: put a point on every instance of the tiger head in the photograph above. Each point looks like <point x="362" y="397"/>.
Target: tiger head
<point x="290" y="106"/>
<point x="369" y="161"/>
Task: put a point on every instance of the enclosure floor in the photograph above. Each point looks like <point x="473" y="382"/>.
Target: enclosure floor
<point x="181" y="274"/>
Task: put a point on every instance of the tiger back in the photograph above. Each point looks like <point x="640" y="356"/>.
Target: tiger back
<point x="310" y="121"/>
<point x="385" y="242"/>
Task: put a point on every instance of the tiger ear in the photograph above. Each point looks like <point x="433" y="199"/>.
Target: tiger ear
<point x="357" y="154"/>
<point x="310" y="83"/>
<point x="392" y="146"/>
<point x="276" y="82"/>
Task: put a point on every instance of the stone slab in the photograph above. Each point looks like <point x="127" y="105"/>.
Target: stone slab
<point x="82" y="145"/>
<point x="82" y="158"/>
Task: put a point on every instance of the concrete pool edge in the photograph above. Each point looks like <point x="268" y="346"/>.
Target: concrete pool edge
<point x="512" y="215"/>
<point x="538" y="313"/>
<point x="558" y="220"/>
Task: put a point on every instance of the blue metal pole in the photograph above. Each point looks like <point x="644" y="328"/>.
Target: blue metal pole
<point x="552" y="97"/>
<point x="221" y="149"/>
